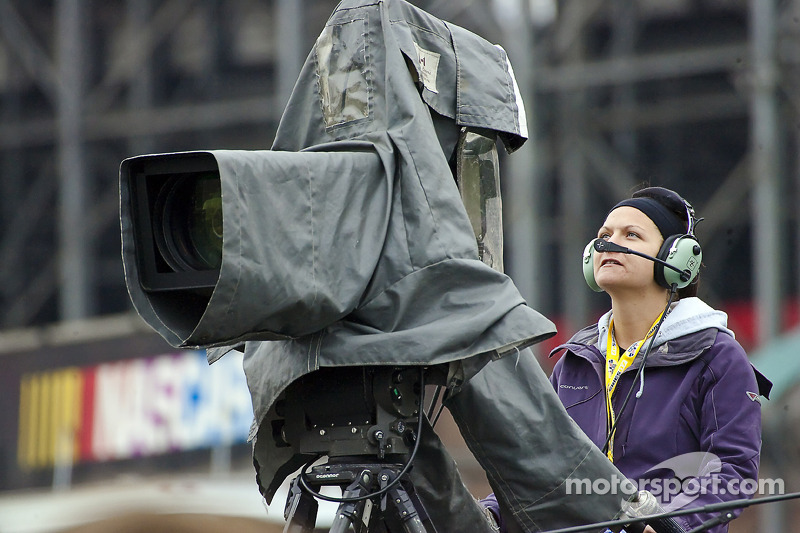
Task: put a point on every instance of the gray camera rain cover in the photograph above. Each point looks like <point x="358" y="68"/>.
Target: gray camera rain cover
<point x="377" y="246"/>
<point x="390" y="79"/>
<point x="399" y="83"/>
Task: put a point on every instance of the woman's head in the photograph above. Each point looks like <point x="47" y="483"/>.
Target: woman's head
<point x="643" y="223"/>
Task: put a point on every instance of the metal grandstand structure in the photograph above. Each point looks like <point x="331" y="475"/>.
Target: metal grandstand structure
<point x="698" y="95"/>
<point x="695" y="95"/>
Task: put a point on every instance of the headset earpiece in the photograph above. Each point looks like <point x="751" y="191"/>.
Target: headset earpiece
<point x="588" y="266"/>
<point x="682" y="252"/>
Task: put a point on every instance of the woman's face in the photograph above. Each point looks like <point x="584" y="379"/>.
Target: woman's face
<point x="628" y="227"/>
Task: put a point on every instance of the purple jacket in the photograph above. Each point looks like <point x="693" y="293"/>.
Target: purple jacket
<point x="697" y="422"/>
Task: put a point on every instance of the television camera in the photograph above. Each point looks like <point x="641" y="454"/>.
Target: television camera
<point x="355" y="261"/>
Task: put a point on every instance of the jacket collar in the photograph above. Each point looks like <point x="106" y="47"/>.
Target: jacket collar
<point x="585" y="343"/>
<point x="689" y="329"/>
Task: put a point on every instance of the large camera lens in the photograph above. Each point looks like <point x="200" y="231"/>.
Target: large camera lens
<point x="187" y="222"/>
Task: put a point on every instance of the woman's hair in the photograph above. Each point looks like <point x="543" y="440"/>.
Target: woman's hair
<point x="677" y="206"/>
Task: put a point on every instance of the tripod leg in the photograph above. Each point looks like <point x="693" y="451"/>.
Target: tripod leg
<point x="357" y="513"/>
<point x="403" y="508"/>
<point x="301" y="510"/>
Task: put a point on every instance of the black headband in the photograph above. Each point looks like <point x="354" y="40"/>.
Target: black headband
<point x="665" y="220"/>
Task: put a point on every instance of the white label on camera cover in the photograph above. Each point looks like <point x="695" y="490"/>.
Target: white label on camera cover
<point x="428" y="67"/>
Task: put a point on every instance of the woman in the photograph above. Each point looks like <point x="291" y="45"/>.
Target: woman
<point x="688" y="426"/>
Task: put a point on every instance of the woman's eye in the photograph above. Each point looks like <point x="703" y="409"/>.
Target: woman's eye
<point x="633" y="234"/>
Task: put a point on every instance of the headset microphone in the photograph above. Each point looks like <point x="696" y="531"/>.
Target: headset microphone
<point x="601" y="245"/>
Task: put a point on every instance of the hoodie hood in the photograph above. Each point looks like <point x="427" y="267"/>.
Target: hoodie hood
<point x="673" y="344"/>
<point x="686" y="316"/>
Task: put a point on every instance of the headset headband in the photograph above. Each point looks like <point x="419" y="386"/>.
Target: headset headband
<point x="690" y="217"/>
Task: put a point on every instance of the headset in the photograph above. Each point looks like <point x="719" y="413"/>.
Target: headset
<point x="678" y="260"/>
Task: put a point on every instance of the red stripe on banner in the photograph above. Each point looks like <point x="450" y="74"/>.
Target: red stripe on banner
<point x="86" y="427"/>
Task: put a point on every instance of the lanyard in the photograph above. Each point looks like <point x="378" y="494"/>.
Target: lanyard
<point x="616" y="364"/>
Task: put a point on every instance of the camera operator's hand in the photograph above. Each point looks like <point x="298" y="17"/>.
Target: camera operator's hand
<point x="644" y="504"/>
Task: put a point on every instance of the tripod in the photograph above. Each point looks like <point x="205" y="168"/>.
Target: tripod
<point x="364" y="507"/>
<point x="362" y="419"/>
